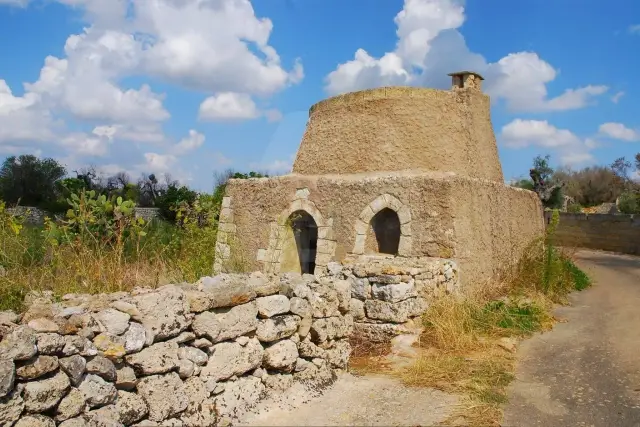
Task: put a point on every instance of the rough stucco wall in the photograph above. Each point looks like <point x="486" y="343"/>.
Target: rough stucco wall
<point x="476" y="222"/>
<point x="493" y="223"/>
<point x="401" y="128"/>
<point x="616" y="233"/>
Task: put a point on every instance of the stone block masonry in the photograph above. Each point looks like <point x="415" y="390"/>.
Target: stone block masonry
<point x="607" y="232"/>
<point x="201" y="354"/>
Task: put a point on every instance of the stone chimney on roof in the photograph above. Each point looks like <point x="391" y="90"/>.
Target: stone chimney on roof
<point x="466" y="80"/>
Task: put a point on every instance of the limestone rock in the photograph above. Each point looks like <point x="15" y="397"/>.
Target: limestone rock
<point x="338" y="355"/>
<point x="195" y="355"/>
<point x="165" y="395"/>
<point x="272" y="305"/>
<point x="50" y="343"/>
<point x="305" y="326"/>
<point x="281" y="355"/>
<point x="114" y="321"/>
<point x="43" y="324"/>
<point x="105" y="416"/>
<point x="128" y="308"/>
<point x="398" y="312"/>
<point x="261" y="285"/>
<point x="134" y="338"/>
<point x="324" y="301"/>
<point x="102" y="367"/>
<point x="130" y="407"/>
<point x="11" y="406"/>
<point x="310" y="350"/>
<point x="206" y="325"/>
<point x="378" y="332"/>
<point x="278" y="382"/>
<point x="360" y="288"/>
<point x="238" y="397"/>
<point x="334" y="268"/>
<point x="357" y="309"/>
<point x="331" y="328"/>
<point x="316" y="377"/>
<point x="201" y="343"/>
<point x="36" y="367"/>
<point x="126" y="378"/>
<point x="395" y="292"/>
<point x="184" y="337"/>
<point x="223" y="290"/>
<point x="164" y="311"/>
<point x="8" y="317"/>
<point x="230" y="358"/>
<point x="19" y="344"/>
<point x="74" y="366"/>
<point x="97" y="392"/>
<point x="78" y="345"/>
<point x="236" y="321"/>
<point x="7" y="376"/>
<point x="186" y="368"/>
<point x="278" y="327"/>
<point x="42" y="395"/>
<point x="157" y="359"/>
<point x="35" y="421"/>
<point x="80" y="421"/>
<point x="71" y="405"/>
<point x="110" y="345"/>
<point x="300" y="306"/>
<point x="200" y="412"/>
<point x="343" y="291"/>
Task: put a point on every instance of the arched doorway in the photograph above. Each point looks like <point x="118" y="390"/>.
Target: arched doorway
<point x="386" y="229"/>
<point x="299" y="244"/>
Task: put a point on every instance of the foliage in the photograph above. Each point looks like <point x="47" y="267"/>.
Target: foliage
<point x="574" y="208"/>
<point x="527" y="184"/>
<point x="590" y="186"/>
<point x="29" y="181"/>
<point x="172" y="199"/>
<point x="550" y="192"/>
<point x="629" y="203"/>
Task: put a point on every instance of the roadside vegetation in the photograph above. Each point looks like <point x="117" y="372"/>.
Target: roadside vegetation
<point x="92" y="241"/>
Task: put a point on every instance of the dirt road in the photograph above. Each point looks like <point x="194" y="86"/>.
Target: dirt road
<point x="585" y="372"/>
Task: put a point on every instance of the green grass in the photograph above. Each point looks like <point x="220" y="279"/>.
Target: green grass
<point x="581" y="280"/>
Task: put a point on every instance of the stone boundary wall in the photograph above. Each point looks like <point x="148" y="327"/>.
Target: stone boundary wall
<point x="35" y="216"/>
<point x="200" y="354"/>
<point x="608" y="232"/>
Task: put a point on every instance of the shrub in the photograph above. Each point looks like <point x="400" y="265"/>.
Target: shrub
<point x="574" y="208"/>
<point x="629" y="203"/>
<point x="172" y="199"/>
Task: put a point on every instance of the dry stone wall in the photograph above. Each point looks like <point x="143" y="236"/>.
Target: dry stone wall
<point x="201" y="354"/>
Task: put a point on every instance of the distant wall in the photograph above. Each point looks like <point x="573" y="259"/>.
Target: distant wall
<point x="35" y="216"/>
<point x="616" y="233"/>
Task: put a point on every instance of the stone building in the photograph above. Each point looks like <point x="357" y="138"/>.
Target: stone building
<point x="403" y="171"/>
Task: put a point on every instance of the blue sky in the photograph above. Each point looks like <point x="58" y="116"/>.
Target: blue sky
<point x="194" y="86"/>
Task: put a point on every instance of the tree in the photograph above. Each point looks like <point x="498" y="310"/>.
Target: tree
<point x="29" y="180"/>
<point x="620" y="168"/>
<point x="541" y="174"/>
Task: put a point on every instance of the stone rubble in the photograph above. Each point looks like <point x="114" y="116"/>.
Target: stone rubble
<point x="200" y="354"/>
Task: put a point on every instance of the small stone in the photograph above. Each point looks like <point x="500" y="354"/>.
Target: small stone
<point x="43" y="325"/>
<point x="35" y="421"/>
<point x="206" y="325"/>
<point x="226" y="290"/>
<point x="310" y="350"/>
<point x="300" y="306"/>
<point x="127" y="308"/>
<point x="110" y="346"/>
<point x="184" y="337"/>
<point x="36" y="367"/>
<point x="201" y="343"/>
<point x="76" y="422"/>
<point x="343" y="290"/>
<point x="338" y="355"/>
<point x="97" y="391"/>
<point x="331" y="328"/>
<point x="71" y="405"/>
<point x="74" y="366"/>
<point x="19" y="344"/>
<point x="259" y="373"/>
<point x="70" y="311"/>
<point x="276" y="328"/>
<point x="230" y="358"/>
<point x="509" y="344"/>
<point x="103" y="367"/>
<point x="185" y="368"/>
<point x="11" y="406"/>
<point x="157" y="359"/>
<point x="165" y="395"/>
<point x="395" y="312"/>
<point x="236" y="321"/>
<point x="126" y="378"/>
<point x="8" y="317"/>
<point x="114" y="321"/>
<point x="261" y="285"/>
<point x="357" y="309"/>
<point x="243" y="340"/>
<point x="50" y="343"/>
<point x="7" y="376"/>
<point x="281" y="355"/>
<point x="301" y="365"/>
<point x="130" y="407"/>
<point x="394" y="293"/>
<point x="334" y="268"/>
<point x="272" y="305"/>
<point x="305" y="326"/>
<point x="195" y="355"/>
<point x="42" y="395"/>
<point x="360" y="288"/>
<point x="135" y="338"/>
<point x="278" y="382"/>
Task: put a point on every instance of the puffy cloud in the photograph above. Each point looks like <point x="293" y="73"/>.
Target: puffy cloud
<point x="540" y="133"/>
<point x="189" y="143"/>
<point x="615" y="98"/>
<point x="619" y="131"/>
<point x="228" y="106"/>
<point x="430" y="46"/>
<point x="22" y="118"/>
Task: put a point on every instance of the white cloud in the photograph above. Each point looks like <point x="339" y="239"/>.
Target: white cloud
<point x="21" y="3"/>
<point x="22" y="118"/>
<point x="228" y="106"/>
<point x="619" y="131"/>
<point x="430" y="46"/>
<point x="634" y="29"/>
<point x="189" y="143"/>
<point x="158" y="163"/>
<point x="615" y="98"/>
<point x="540" y="133"/>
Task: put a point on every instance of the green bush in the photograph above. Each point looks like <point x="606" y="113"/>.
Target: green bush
<point x="574" y="208"/>
<point x="629" y="203"/>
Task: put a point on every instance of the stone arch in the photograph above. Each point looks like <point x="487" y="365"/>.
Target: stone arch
<point x="280" y="231"/>
<point x="382" y="202"/>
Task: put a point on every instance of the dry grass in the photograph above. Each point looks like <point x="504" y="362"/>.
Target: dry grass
<point x="367" y="357"/>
